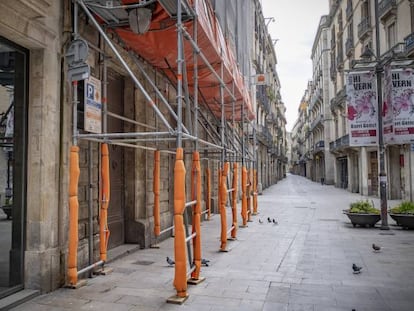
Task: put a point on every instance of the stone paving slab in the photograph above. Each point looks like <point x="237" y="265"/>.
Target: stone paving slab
<point x="302" y="263"/>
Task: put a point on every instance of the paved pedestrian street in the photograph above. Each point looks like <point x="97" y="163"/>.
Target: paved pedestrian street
<point x="304" y="262"/>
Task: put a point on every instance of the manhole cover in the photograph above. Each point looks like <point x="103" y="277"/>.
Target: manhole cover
<point x="143" y="262"/>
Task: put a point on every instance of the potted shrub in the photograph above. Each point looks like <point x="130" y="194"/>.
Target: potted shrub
<point x="403" y="214"/>
<point x="363" y="213"/>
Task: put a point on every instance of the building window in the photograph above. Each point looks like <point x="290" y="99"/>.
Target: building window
<point x="365" y="10"/>
<point x="391" y="35"/>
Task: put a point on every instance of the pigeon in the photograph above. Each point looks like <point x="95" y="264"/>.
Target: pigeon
<point x="356" y="268"/>
<point x="274" y="221"/>
<point x="376" y="248"/>
<point x="268" y="219"/>
<point x="260" y="221"/>
<point x="205" y="262"/>
<point x="170" y="261"/>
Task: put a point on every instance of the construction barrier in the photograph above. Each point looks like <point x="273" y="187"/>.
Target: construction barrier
<point x="254" y="192"/>
<point x="74" y="173"/>
<point x="105" y="193"/>
<point x="244" y="196"/>
<point x="156" y="190"/>
<point x="223" y="200"/>
<point x="208" y="193"/>
<point x="180" y="277"/>
<point x="234" y="201"/>
<point x="248" y="194"/>
<point x="196" y="226"/>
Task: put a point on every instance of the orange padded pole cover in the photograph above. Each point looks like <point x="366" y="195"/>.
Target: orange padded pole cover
<point x="105" y="193"/>
<point x="196" y="227"/>
<point x="219" y="187"/>
<point x="244" y="196"/>
<point x="208" y="194"/>
<point x="223" y="200"/>
<point x="156" y="190"/>
<point x="234" y="200"/>
<point x="254" y="192"/>
<point x="180" y="277"/>
<point x="248" y="193"/>
<point x="73" y="215"/>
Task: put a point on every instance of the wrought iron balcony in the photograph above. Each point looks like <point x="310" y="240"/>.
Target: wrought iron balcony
<point x="264" y="135"/>
<point x="364" y="27"/>
<point x="387" y="8"/>
<point x="339" y="99"/>
<point x="318" y="121"/>
<point x="339" y="144"/>
<point x="319" y="146"/>
<point x="409" y="44"/>
<point x="262" y="97"/>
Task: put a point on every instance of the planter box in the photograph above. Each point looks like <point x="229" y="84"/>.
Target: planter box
<point x="363" y="220"/>
<point x="404" y="220"/>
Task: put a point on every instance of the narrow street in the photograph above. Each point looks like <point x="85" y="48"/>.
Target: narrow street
<point x="304" y="262"/>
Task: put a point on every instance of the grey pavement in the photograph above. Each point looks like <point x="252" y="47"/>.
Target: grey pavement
<point x="302" y="263"/>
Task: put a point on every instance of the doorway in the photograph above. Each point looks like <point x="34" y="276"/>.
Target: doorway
<point x="13" y="132"/>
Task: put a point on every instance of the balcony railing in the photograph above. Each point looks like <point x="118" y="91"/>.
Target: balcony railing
<point x="339" y="144"/>
<point x="386" y="8"/>
<point x="264" y="135"/>
<point x="339" y="99"/>
<point x="364" y="27"/>
<point x="349" y="46"/>
<point x="409" y="43"/>
<point x="317" y="121"/>
<point x="262" y="97"/>
<point x="319" y="146"/>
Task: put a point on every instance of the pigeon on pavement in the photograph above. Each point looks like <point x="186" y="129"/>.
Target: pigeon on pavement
<point x="205" y="262"/>
<point x="356" y="268"/>
<point x="268" y="219"/>
<point x="170" y="261"/>
<point x="274" y="221"/>
<point x="376" y="248"/>
<point x="260" y="221"/>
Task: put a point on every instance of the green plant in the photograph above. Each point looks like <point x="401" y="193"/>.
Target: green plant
<point x="405" y="207"/>
<point x="363" y="207"/>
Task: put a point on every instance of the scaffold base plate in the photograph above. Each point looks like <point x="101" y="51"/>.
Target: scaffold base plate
<point x="195" y="281"/>
<point x="155" y="246"/>
<point x="79" y="284"/>
<point x="104" y="271"/>
<point x="231" y="239"/>
<point x="225" y="250"/>
<point x="177" y="300"/>
<point x="243" y="226"/>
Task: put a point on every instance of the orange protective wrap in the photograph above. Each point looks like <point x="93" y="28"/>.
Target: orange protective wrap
<point x="74" y="173"/>
<point x="156" y="190"/>
<point x="244" y="196"/>
<point x="248" y="192"/>
<point x="105" y="193"/>
<point x="219" y="187"/>
<point x="196" y="227"/>
<point x="223" y="200"/>
<point x="254" y="192"/>
<point x="234" y="200"/>
<point x="208" y="194"/>
<point x="180" y="277"/>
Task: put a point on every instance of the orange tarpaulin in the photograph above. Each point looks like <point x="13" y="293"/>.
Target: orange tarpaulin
<point x="159" y="47"/>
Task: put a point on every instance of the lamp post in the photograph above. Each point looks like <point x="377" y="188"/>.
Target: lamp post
<point x="381" y="147"/>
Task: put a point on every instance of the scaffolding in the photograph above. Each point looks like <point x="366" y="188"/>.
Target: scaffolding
<point x="208" y="86"/>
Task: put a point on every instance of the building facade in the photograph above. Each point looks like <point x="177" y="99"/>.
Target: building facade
<point x="352" y="47"/>
<point x="38" y="129"/>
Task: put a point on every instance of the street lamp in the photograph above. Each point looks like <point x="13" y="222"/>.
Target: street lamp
<point x="368" y="54"/>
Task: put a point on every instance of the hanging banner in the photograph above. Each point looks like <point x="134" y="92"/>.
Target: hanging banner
<point x="402" y="97"/>
<point x="93" y="105"/>
<point x="361" y="101"/>
<point x="387" y="110"/>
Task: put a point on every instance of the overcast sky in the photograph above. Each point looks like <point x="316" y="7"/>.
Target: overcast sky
<point x="295" y="26"/>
